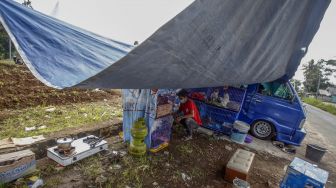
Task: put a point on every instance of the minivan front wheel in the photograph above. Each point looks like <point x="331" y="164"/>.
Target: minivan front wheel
<point x="262" y="130"/>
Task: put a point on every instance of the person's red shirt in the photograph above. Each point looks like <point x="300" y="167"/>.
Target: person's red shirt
<point x="188" y="107"/>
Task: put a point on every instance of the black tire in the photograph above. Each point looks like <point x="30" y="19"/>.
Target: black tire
<point x="263" y="130"/>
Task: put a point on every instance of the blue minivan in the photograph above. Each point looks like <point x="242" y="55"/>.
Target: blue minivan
<point x="273" y="110"/>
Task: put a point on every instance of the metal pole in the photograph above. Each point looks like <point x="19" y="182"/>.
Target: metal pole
<point x="10" y="49"/>
<point x="319" y="82"/>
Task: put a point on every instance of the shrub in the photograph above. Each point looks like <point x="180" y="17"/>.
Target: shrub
<point x="321" y="105"/>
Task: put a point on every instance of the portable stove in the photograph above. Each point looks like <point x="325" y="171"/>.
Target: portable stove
<point x="80" y="149"/>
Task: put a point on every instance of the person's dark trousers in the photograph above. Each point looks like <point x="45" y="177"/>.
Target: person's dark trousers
<point x="189" y="124"/>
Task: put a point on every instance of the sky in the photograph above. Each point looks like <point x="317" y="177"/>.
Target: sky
<point x="136" y="20"/>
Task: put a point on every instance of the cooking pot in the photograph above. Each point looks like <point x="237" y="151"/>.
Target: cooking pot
<point x="64" y="143"/>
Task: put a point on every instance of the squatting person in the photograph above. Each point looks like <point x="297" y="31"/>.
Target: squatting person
<point x="188" y="114"/>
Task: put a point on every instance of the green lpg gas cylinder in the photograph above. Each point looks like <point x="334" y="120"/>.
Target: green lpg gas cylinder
<point x="138" y="132"/>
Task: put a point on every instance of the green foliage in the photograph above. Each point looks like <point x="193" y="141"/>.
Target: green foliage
<point x="3" y="185"/>
<point x="297" y="84"/>
<point x="8" y="62"/>
<point x="317" y="74"/>
<point x="4" y="44"/>
<point x="319" y="104"/>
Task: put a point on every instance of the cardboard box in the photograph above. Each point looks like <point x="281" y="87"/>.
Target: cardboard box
<point x="163" y="110"/>
<point x="15" y="165"/>
<point x="301" y="174"/>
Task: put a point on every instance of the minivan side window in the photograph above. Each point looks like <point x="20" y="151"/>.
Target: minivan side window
<point x="279" y="90"/>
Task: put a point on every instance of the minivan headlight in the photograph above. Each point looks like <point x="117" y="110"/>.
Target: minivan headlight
<point x="302" y="123"/>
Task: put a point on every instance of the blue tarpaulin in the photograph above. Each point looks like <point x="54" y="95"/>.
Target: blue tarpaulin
<point x="210" y="43"/>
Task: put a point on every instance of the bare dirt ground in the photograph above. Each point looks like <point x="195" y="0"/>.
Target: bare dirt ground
<point x="20" y="89"/>
<point x="195" y="163"/>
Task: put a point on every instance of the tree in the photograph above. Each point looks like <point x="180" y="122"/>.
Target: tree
<point x="296" y="83"/>
<point x="4" y="46"/>
<point x="317" y="74"/>
<point x="330" y="67"/>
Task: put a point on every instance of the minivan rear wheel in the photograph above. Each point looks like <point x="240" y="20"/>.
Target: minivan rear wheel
<point x="262" y="130"/>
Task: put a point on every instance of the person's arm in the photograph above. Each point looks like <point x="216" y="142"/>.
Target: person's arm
<point x="190" y="115"/>
<point x="176" y="113"/>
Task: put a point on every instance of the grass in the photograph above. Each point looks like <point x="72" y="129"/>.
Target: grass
<point x="7" y="62"/>
<point x="197" y="173"/>
<point x="92" y="167"/>
<point x="319" y="104"/>
<point x="62" y="117"/>
<point x="53" y="182"/>
<point x="185" y="148"/>
<point x="132" y="172"/>
<point x="3" y="185"/>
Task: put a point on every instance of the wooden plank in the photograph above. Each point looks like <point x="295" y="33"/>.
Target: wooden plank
<point x="15" y="156"/>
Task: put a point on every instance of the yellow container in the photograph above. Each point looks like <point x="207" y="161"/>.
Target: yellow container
<point x="139" y="133"/>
